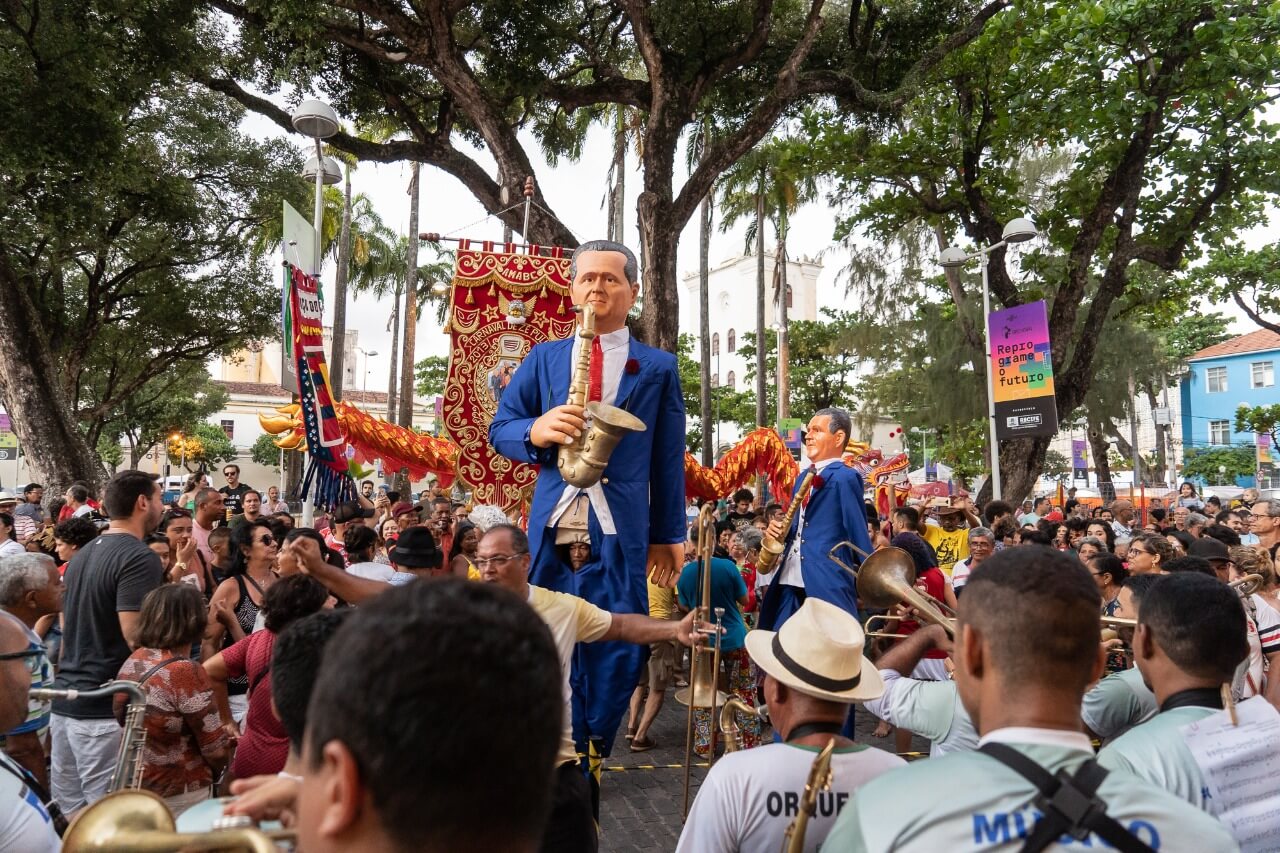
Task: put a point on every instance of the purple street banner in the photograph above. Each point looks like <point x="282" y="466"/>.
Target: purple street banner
<point x="1079" y="459"/>
<point x="1263" y="444"/>
<point x="1022" y="371"/>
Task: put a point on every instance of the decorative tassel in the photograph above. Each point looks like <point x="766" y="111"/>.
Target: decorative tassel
<point x="493" y="289"/>
<point x="471" y="300"/>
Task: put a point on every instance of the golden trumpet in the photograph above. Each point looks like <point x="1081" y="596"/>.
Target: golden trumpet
<point x="887" y="578"/>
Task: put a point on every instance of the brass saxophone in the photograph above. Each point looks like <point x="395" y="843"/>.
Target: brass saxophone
<point x="729" y="724"/>
<point x="582" y="461"/>
<point x="128" y="772"/>
<point x="819" y="780"/>
<point x="771" y="549"/>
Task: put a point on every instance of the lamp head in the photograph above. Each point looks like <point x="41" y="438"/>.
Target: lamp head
<point x="315" y="119"/>
<point x="953" y="257"/>
<point x="1019" y="230"/>
<point x="332" y="170"/>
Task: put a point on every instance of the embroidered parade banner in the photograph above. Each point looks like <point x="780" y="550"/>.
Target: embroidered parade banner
<point x="326" y="441"/>
<point x="500" y="305"/>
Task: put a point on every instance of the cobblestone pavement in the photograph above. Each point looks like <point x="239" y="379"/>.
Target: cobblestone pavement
<point x="642" y="797"/>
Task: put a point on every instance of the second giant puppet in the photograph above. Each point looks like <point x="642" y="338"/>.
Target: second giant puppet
<point x="832" y="513"/>
<point x="635" y="515"/>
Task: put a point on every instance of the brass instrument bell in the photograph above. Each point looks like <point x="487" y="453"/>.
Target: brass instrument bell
<point x="138" y="821"/>
<point x="887" y="578"/>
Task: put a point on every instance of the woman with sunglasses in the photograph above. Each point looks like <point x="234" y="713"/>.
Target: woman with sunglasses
<point x="234" y="612"/>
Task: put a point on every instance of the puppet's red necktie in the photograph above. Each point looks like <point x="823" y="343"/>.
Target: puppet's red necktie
<point x="595" y="385"/>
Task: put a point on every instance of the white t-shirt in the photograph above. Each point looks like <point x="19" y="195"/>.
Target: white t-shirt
<point x="572" y="620"/>
<point x="931" y="709"/>
<point x="83" y="509"/>
<point x="960" y="574"/>
<point x="970" y="801"/>
<point x="749" y="798"/>
<point x="10" y="548"/>
<point x="25" y="825"/>
<point x="1157" y="752"/>
<point x="372" y="571"/>
<point x="1117" y="703"/>
<point x="791" y="573"/>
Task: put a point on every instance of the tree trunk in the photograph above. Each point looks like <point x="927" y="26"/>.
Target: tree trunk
<point x="1098" y="447"/>
<point x="704" y="333"/>
<point x="761" y="409"/>
<point x="617" y="192"/>
<point x="784" y="349"/>
<point x="337" y="361"/>
<point x="1021" y="461"/>
<point x="40" y="410"/>
<point x="410" y="317"/>
<point x="393" y="384"/>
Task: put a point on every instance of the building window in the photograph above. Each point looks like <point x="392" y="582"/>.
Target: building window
<point x="1262" y="374"/>
<point x="730" y="380"/>
<point x="229" y="427"/>
<point x="715" y="343"/>
<point x="1216" y="379"/>
<point x="715" y="380"/>
<point x="732" y="343"/>
<point x="1219" y="432"/>
<point x="791" y="297"/>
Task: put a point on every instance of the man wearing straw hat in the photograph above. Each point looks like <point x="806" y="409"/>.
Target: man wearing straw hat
<point x="814" y="670"/>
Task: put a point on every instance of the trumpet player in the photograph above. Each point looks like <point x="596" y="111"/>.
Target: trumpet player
<point x="832" y="512"/>
<point x="636" y="515"/>
<point x="814" y="670"/>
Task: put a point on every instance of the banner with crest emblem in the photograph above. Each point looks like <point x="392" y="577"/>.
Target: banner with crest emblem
<point x="501" y="303"/>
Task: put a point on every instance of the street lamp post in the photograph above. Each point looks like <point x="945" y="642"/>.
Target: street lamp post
<point x="182" y="444"/>
<point x="318" y="120"/>
<point x="364" y="377"/>
<point x="1018" y="230"/>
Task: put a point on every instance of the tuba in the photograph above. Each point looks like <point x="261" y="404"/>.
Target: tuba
<point x="128" y="772"/>
<point x="704" y="667"/>
<point x="133" y="821"/>
<point x="771" y="549"/>
<point x="582" y="461"/>
<point x="819" y="780"/>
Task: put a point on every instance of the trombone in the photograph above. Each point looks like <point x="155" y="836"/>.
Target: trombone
<point x="135" y="820"/>
<point x="704" y="667"/>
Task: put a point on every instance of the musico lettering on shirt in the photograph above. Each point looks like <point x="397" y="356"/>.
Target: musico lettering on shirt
<point x="1004" y="827"/>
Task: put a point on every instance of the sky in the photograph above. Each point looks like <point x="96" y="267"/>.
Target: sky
<point x="575" y="192"/>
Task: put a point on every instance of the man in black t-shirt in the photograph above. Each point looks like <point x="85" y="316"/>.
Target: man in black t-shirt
<point x="106" y="581"/>
<point x="234" y="489"/>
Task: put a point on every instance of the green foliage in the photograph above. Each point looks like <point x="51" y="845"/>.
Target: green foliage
<point x="1203" y="465"/>
<point x="175" y="402"/>
<point x="265" y="453"/>
<point x="430" y="375"/>
<point x="110" y="453"/>
<point x="1132" y="131"/>
<point x="778" y="169"/>
<point x="731" y="405"/>
<point x="1250" y="278"/>
<point x="1057" y="466"/>
<point x="820" y="367"/>
<point x="1261" y="420"/>
<point x="215" y="448"/>
<point x="130" y="202"/>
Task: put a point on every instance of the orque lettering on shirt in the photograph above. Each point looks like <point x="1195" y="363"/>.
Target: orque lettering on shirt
<point x="1002" y="827"/>
<point x="787" y="803"/>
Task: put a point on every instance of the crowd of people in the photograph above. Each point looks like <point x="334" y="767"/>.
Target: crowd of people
<point x="431" y="676"/>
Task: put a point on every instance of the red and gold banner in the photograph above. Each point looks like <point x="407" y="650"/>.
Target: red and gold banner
<point x="500" y="305"/>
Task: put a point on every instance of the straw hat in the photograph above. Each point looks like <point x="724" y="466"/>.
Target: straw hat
<point x="818" y="651"/>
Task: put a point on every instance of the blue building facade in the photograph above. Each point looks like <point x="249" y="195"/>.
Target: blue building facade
<point x="1221" y="379"/>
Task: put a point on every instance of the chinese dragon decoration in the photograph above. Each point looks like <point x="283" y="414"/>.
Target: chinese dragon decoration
<point x="501" y="303"/>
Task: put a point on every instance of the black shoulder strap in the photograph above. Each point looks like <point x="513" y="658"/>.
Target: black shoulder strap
<point x="156" y="668"/>
<point x="1068" y="802"/>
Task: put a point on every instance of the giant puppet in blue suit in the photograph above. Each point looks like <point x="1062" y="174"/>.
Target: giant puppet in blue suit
<point x="833" y="513"/>
<point x="636" y="519"/>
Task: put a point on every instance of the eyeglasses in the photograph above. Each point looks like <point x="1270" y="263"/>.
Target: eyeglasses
<point x="498" y="561"/>
<point x="33" y="658"/>
<point x="1261" y="515"/>
<point x="1133" y="550"/>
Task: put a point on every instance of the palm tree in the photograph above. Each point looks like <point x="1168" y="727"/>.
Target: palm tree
<point x="769" y="183"/>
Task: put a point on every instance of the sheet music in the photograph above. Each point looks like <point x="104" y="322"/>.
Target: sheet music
<point x="1240" y="766"/>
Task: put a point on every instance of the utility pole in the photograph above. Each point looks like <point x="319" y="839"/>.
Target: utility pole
<point x="1133" y="429"/>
